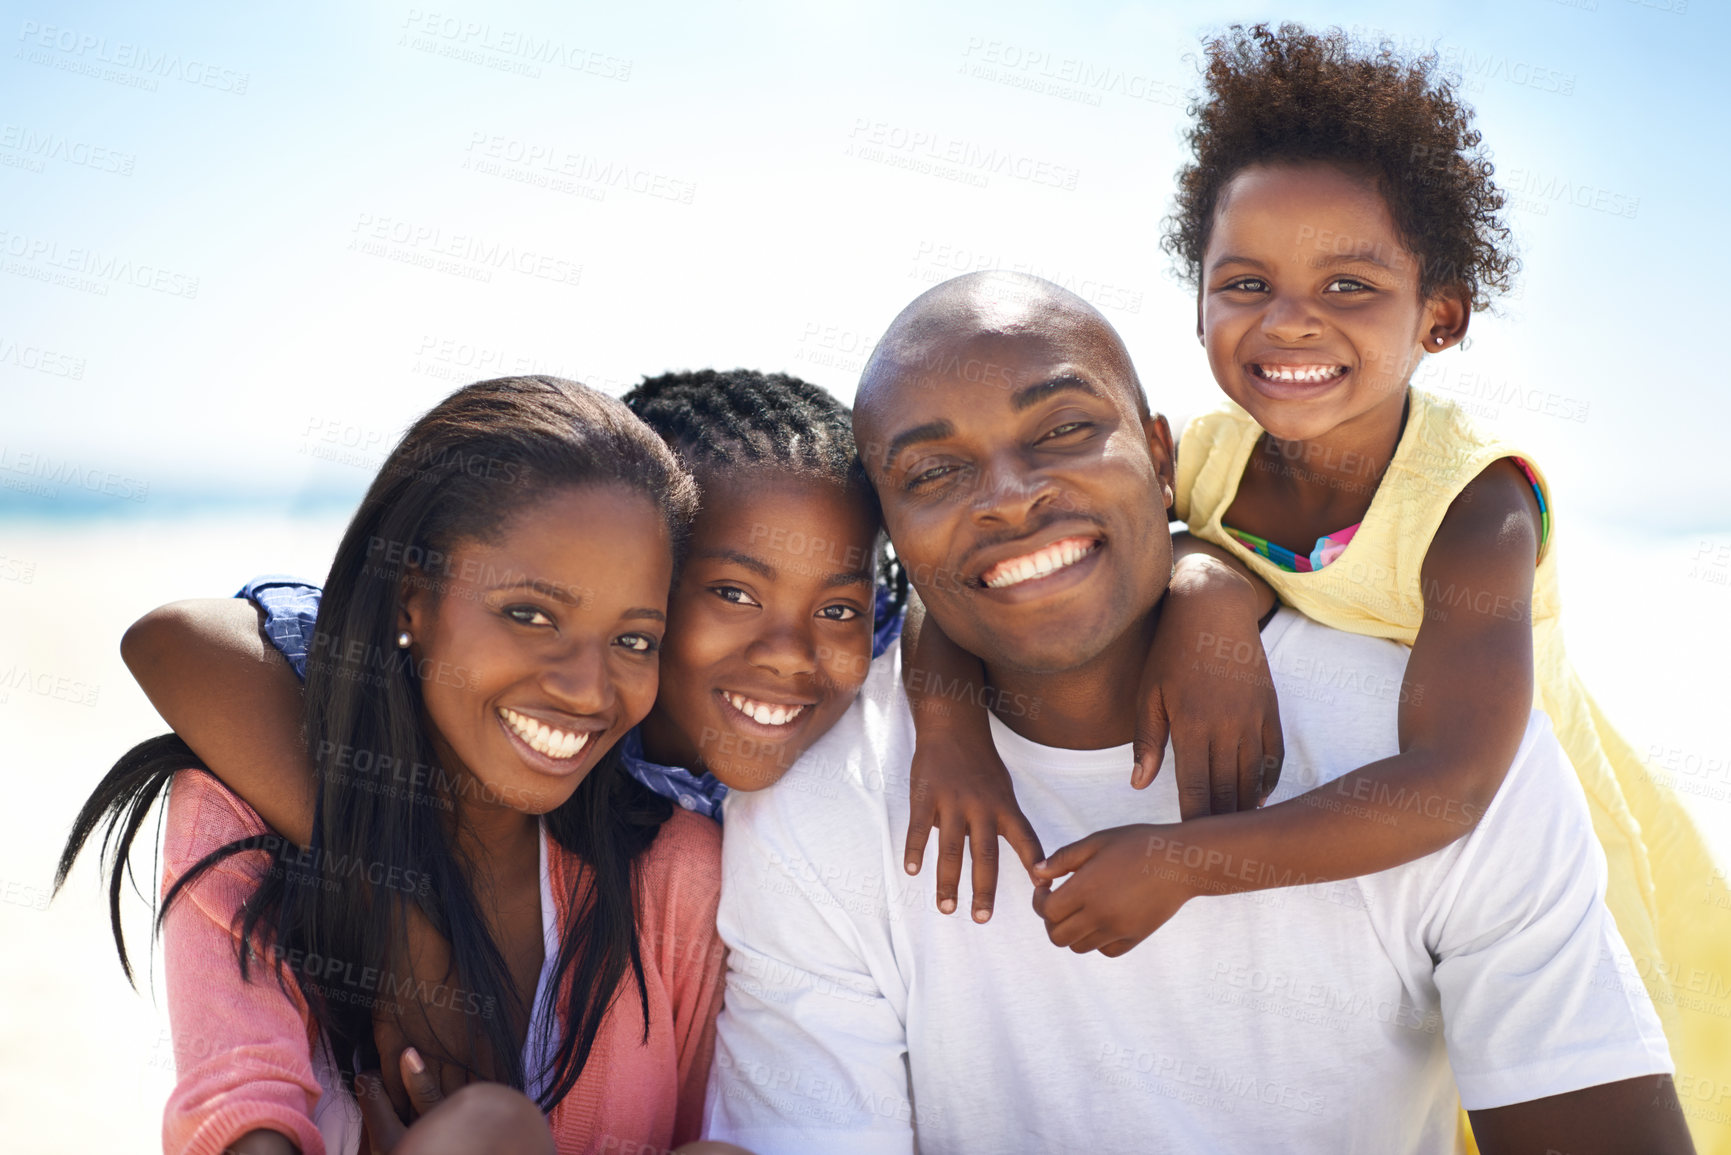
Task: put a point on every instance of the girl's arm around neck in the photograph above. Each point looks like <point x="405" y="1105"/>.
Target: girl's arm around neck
<point x="1463" y="708"/>
<point x="1463" y="704"/>
<point x="220" y="684"/>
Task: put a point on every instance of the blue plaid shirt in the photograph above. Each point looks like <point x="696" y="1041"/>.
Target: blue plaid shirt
<point x="291" y="607"/>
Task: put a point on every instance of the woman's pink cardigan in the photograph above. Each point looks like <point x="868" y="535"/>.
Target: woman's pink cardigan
<point x="243" y="1050"/>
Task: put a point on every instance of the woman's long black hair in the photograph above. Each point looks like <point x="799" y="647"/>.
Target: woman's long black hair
<point x="321" y="911"/>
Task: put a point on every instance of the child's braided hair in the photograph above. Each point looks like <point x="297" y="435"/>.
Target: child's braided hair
<point x="718" y="421"/>
<point x="1292" y="95"/>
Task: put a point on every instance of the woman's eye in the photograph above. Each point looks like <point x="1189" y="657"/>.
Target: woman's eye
<point x="733" y="594"/>
<point x="638" y="643"/>
<point x="838" y="613"/>
<point x="527" y="616"/>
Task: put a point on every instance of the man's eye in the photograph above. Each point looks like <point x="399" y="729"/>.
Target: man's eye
<point x="935" y="473"/>
<point x="732" y="594"/>
<point x="1067" y="428"/>
<point x="638" y="643"/>
<point x="527" y="616"/>
<point x="926" y="475"/>
<point x="838" y="613"/>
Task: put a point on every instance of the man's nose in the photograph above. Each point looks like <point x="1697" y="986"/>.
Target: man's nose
<point x="1010" y="489"/>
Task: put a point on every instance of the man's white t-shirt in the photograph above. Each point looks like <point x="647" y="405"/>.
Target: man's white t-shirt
<point x="1336" y="1017"/>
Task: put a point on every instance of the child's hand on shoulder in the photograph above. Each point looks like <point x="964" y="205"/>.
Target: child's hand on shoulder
<point x="1207" y="686"/>
<point x="959" y="784"/>
<point x="1119" y="891"/>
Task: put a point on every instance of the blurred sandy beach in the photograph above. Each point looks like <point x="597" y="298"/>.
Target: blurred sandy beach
<point x="86" y="1064"/>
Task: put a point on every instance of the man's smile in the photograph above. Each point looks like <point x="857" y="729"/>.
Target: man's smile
<point x="1039" y="563"/>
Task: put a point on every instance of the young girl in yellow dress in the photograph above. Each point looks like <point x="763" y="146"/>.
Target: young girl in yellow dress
<point x="1340" y="223"/>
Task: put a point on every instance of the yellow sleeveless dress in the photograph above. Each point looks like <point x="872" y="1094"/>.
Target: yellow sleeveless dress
<point x="1671" y="904"/>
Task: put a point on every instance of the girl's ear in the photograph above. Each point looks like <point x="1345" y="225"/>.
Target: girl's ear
<point x="1446" y="318"/>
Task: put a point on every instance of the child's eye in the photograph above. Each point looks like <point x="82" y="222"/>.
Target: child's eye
<point x="1346" y="285"/>
<point x="1246" y="285"/>
<point x="638" y="643"/>
<point x="527" y="616"/>
<point x="733" y="594"/>
<point x="838" y="613"/>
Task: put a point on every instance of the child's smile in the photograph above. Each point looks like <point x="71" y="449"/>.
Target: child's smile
<point x="1309" y="305"/>
<point x="770" y="627"/>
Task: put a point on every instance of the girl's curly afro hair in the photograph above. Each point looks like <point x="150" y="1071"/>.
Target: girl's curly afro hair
<point x="1291" y="95"/>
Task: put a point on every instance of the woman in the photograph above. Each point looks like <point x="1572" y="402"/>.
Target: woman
<point x="485" y="898"/>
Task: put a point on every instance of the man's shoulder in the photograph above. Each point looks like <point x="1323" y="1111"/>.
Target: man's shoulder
<point x="1340" y="699"/>
<point x="1340" y="696"/>
<point x="853" y="773"/>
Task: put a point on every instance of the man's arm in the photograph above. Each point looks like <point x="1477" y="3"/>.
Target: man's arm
<point x="1634" y="1115"/>
<point x="1552" y="1036"/>
<point x="810" y="1045"/>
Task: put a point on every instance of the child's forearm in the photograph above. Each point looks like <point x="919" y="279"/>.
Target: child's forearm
<point x="1190" y="554"/>
<point x="945" y="683"/>
<point x="1378" y="817"/>
<point x="226" y="691"/>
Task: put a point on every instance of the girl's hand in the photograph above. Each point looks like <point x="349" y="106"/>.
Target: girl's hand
<point x="1120" y="892"/>
<point x="959" y="784"/>
<point x="1207" y="686"/>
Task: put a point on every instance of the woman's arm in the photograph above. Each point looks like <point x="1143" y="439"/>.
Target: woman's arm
<point x="241" y="1056"/>
<point x="1463" y="707"/>
<point x="220" y="684"/>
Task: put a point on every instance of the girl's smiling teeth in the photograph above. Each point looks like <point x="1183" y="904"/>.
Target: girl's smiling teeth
<point x="1299" y="374"/>
<point x="766" y="713"/>
<point x="1038" y="564"/>
<point x="542" y="738"/>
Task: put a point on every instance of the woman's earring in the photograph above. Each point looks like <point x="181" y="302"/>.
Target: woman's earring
<point x="404" y="640"/>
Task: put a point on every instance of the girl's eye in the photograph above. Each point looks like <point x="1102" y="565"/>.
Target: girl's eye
<point x="527" y="616"/>
<point x="732" y="594"/>
<point x="1346" y="285"/>
<point x="838" y="613"/>
<point x="638" y="643"/>
<point x="1246" y="285"/>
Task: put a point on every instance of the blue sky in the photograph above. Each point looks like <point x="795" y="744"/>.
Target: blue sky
<point x="241" y="249"/>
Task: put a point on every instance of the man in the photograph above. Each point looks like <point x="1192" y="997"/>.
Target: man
<point x="1004" y="419"/>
